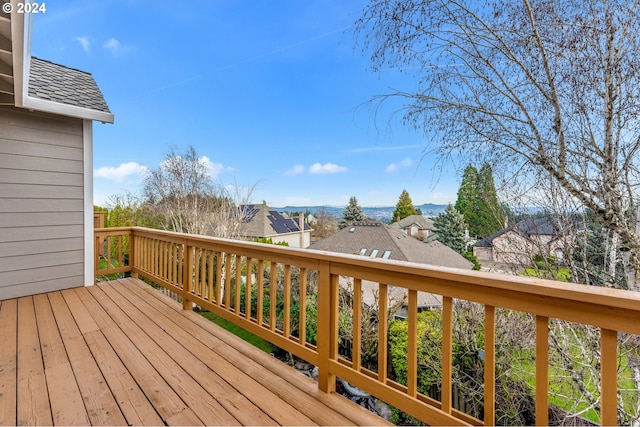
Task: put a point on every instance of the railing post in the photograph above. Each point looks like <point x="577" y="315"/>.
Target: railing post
<point x="327" y="326"/>
<point x="96" y="256"/>
<point x="187" y="279"/>
<point x="132" y="256"/>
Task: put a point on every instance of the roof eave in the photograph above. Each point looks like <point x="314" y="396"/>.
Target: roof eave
<point x="47" y="106"/>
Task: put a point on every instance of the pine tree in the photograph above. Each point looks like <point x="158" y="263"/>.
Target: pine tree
<point x="490" y="212"/>
<point x="404" y="207"/>
<point x="449" y="227"/>
<point x="352" y="213"/>
<point x="467" y="202"/>
<point x="478" y="201"/>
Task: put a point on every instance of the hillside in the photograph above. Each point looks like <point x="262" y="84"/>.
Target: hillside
<point x="382" y="214"/>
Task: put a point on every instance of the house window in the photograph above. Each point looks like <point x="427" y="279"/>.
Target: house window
<point x="363" y="251"/>
<point x="414" y="231"/>
<point x="559" y="254"/>
<point x="374" y="253"/>
<point x="386" y="254"/>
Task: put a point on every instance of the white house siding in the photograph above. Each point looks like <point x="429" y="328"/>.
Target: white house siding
<point x="41" y="203"/>
<point x="293" y="239"/>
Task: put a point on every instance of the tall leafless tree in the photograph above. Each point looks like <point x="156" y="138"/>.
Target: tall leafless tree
<point x="529" y="86"/>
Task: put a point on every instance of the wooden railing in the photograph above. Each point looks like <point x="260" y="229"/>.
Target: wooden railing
<point x="233" y="280"/>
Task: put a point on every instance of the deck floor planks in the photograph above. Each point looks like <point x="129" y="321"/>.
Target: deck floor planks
<point x="283" y="380"/>
<point x="8" y="370"/>
<point x="101" y="406"/>
<point x="67" y="406"/>
<point x="123" y="353"/>
<point x="238" y="381"/>
<point x="198" y="399"/>
<point x="192" y="359"/>
<point x="33" y="400"/>
<point x="134" y="405"/>
<point x="165" y="401"/>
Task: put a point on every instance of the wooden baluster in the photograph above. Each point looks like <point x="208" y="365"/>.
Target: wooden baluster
<point x="356" y="354"/>
<point x="196" y="270"/>
<point x="412" y="344"/>
<point x="260" y="307"/>
<point x="542" y="371"/>
<point x="211" y="267"/>
<point x="227" y="281"/>
<point x="236" y="306"/>
<point x="181" y="263"/>
<point x="383" y="325"/>
<point x="447" y="351"/>
<point x="273" y="284"/>
<point x="247" y="291"/>
<point x="489" y="365"/>
<point x="219" y="279"/>
<point x="287" y="301"/>
<point x="302" y="339"/>
<point x="120" y="257"/>
<point x="608" y="377"/>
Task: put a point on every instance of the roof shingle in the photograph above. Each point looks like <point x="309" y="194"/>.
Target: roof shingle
<point x="58" y="83"/>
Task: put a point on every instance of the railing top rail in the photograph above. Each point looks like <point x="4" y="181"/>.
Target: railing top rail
<point x="443" y="280"/>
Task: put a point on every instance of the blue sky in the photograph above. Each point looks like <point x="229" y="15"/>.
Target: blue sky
<point x="268" y="90"/>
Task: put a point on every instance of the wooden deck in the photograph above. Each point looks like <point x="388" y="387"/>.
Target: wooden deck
<point x="122" y="353"/>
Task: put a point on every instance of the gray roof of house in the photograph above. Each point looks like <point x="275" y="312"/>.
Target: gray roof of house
<point x="371" y="236"/>
<point x="262" y="221"/>
<point x="424" y="222"/>
<point x="58" y="83"/>
<point x="532" y="227"/>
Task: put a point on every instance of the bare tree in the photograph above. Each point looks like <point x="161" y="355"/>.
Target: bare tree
<point x="182" y="190"/>
<point x="529" y="85"/>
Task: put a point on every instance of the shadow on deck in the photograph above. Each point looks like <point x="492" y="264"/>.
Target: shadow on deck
<point x="122" y="353"/>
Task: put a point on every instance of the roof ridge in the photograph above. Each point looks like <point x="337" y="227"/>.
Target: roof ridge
<point x="61" y="65"/>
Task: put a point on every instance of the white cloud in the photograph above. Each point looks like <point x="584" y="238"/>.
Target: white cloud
<point x="113" y="45"/>
<point x="122" y="172"/>
<point x="84" y="42"/>
<point x="327" y="168"/>
<point x="215" y="169"/>
<point x="405" y="163"/>
<point x="296" y="170"/>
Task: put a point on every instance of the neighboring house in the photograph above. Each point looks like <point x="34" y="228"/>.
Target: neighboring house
<point x="46" y="167"/>
<point x="521" y="242"/>
<point x="416" y="226"/>
<point x="377" y="240"/>
<point x="260" y="221"/>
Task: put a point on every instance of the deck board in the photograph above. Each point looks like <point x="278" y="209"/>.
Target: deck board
<point x="122" y="353"/>
<point x="8" y="369"/>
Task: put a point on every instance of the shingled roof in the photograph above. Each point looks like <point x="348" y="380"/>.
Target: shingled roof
<point x="65" y="85"/>
<point x="534" y="227"/>
<point x="423" y="222"/>
<point x="382" y="241"/>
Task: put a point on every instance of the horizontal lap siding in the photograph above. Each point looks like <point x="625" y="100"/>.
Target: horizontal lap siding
<point x="41" y="203"/>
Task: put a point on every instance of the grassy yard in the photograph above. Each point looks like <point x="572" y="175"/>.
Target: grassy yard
<point x="252" y="339"/>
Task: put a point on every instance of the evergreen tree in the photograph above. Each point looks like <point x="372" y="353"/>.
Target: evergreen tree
<point x="478" y="201"/>
<point x="490" y="211"/>
<point x="467" y="200"/>
<point x="449" y="227"/>
<point x="404" y="207"/>
<point x="352" y="213"/>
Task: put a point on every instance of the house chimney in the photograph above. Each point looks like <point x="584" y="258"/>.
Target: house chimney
<point x="506" y="221"/>
<point x="301" y="224"/>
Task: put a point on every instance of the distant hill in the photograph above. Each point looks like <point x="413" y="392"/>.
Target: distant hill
<point x="382" y="214"/>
